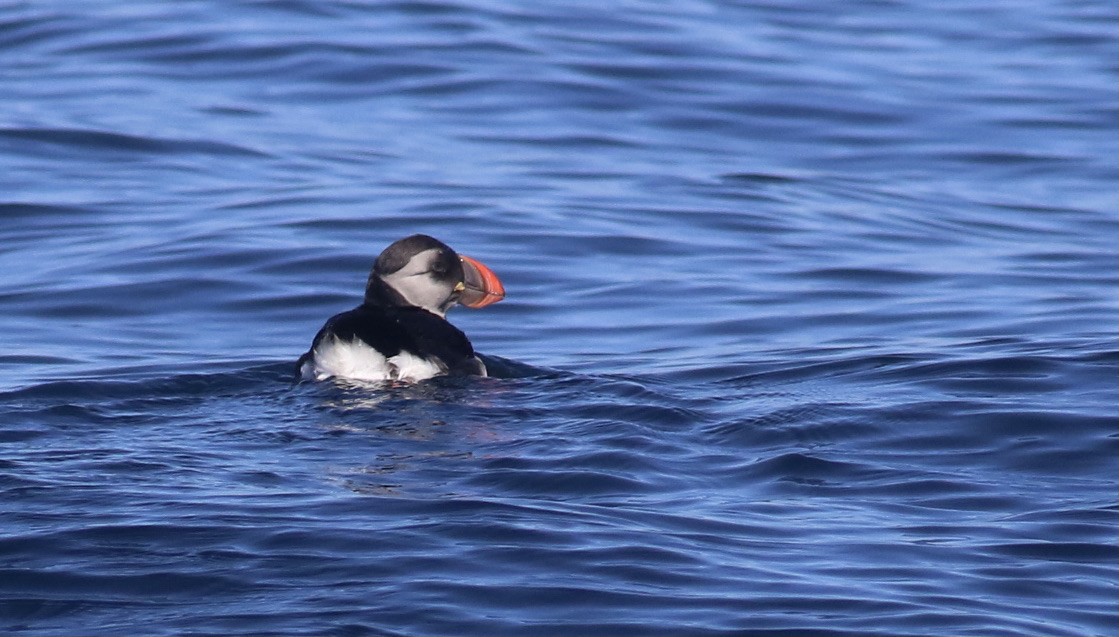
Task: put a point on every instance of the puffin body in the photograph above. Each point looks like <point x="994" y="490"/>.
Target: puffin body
<point x="400" y="331"/>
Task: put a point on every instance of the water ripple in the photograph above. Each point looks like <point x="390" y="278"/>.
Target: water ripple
<point x="810" y="326"/>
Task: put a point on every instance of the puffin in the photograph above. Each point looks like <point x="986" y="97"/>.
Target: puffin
<point x="400" y="331"/>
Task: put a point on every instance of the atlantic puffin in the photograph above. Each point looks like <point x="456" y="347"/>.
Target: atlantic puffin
<point x="400" y="331"/>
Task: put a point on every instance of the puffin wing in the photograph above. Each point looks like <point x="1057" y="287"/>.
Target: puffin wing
<point x="408" y="333"/>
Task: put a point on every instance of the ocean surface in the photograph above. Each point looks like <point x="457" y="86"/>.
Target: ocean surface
<point x="812" y="323"/>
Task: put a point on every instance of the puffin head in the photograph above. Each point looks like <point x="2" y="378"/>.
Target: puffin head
<point x="424" y="272"/>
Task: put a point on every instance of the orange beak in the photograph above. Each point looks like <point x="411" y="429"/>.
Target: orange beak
<point x="482" y="287"/>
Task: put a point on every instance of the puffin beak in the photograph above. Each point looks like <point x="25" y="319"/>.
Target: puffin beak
<point x="482" y="287"/>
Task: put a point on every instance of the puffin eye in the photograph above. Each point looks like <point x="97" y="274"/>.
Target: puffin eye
<point x="440" y="266"/>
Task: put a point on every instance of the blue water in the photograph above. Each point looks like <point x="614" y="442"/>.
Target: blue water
<point x="811" y="327"/>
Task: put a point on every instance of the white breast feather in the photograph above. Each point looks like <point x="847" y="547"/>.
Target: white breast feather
<point x="412" y="368"/>
<point x="357" y="361"/>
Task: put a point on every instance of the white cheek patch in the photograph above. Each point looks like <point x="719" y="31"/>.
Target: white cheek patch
<point x="415" y="283"/>
<point x="357" y="361"/>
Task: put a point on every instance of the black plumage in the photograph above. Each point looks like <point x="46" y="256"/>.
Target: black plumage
<point x="394" y="329"/>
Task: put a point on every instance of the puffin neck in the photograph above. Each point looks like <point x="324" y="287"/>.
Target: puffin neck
<point x="379" y="293"/>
